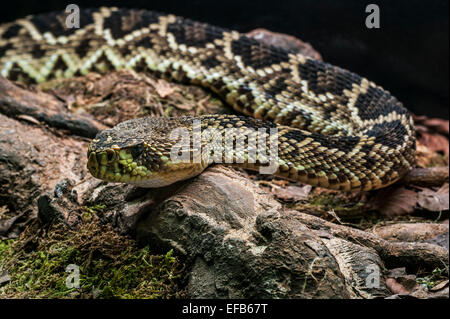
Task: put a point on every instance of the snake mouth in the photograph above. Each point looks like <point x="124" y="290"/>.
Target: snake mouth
<point x="118" y="166"/>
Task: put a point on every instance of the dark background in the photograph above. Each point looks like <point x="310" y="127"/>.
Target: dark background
<point x="408" y="55"/>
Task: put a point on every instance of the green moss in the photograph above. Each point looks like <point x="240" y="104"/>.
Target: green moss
<point x="5" y="246"/>
<point x="218" y="102"/>
<point x="168" y="111"/>
<point x="110" y="265"/>
<point x="89" y="211"/>
<point x="432" y="279"/>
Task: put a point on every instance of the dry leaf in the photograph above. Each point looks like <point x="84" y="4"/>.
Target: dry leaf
<point x="440" y="286"/>
<point x="435" y="201"/>
<point x="184" y="106"/>
<point x="438" y="125"/>
<point x="163" y="88"/>
<point x="394" y="286"/>
<point x="435" y="142"/>
<point x="280" y="182"/>
<point x="425" y="157"/>
<point x="292" y="193"/>
<point x="400" y="201"/>
<point x="401" y="283"/>
<point x="28" y="119"/>
<point x="433" y="133"/>
<point x="7" y="224"/>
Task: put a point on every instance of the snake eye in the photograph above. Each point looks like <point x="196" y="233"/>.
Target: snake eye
<point x="111" y="155"/>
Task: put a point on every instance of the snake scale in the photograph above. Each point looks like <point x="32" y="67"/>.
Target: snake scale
<point x="334" y="129"/>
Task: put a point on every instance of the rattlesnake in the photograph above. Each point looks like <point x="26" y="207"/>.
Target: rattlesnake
<point x="335" y="129"/>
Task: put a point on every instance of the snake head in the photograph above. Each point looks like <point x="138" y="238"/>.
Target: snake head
<point x="137" y="152"/>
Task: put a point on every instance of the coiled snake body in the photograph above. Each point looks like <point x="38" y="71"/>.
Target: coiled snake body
<point x="335" y="129"/>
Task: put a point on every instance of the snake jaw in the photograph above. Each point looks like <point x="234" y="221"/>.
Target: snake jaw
<point x="115" y="165"/>
<point x="119" y="166"/>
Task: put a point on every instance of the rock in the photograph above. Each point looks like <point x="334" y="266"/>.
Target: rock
<point x="38" y="169"/>
<point x="417" y="232"/>
<point x="241" y="244"/>
<point x="122" y="205"/>
<point x="201" y="280"/>
<point x="402" y="283"/>
<point x="4" y="277"/>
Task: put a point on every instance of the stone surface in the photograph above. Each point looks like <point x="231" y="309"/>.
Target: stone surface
<point x="241" y="244"/>
<point x="417" y="232"/>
